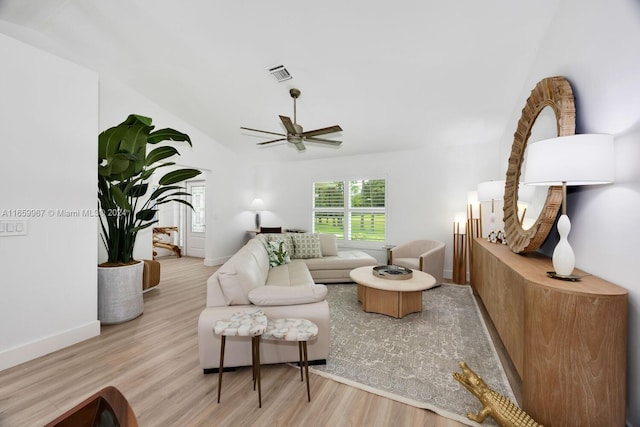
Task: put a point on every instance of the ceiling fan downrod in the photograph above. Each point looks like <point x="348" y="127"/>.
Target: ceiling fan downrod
<point x="295" y="93"/>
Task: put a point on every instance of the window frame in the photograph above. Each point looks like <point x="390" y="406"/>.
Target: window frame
<point x="347" y="211"/>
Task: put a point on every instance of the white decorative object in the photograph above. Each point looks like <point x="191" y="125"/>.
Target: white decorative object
<point x="563" y="258"/>
<point x="585" y="159"/>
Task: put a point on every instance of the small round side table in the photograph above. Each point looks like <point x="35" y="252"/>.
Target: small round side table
<point x="249" y="323"/>
<point x="301" y="330"/>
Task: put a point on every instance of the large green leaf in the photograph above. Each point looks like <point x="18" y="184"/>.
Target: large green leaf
<point x="138" y="191"/>
<point x="120" y="198"/>
<point x="167" y="134"/>
<point x="184" y="202"/>
<point x="142" y="227"/>
<point x="160" y="153"/>
<point x="119" y="163"/>
<point x="163" y="190"/>
<point x="137" y="118"/>
<point x="173" y="196"/>
<point x="146" y="214"/>
<point x="135" y="137"/>
<point x="109" y="142"/>
<point x="178" y="176"/>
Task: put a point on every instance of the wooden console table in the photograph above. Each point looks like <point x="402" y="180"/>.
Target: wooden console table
<point x="567" y="340"/>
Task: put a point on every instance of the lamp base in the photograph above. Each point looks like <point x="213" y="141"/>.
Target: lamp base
<point x="257" y="220"/>
<point x="569" y="278"/>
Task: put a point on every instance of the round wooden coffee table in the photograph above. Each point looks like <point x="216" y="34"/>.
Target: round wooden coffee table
<point x="395" y="298"/>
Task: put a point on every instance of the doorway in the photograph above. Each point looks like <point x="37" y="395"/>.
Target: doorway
<point x="195" y="220"/>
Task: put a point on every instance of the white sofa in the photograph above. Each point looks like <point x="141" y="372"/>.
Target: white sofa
<point x="248" y="281"/>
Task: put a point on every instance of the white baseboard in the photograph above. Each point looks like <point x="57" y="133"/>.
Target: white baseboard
<point x="17" y="355"/>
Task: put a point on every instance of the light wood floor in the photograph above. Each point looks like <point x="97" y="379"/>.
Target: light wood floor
<point x="153" y="360"/>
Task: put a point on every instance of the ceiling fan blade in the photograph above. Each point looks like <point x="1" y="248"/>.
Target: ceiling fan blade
<point x="323" y="141"/>
<point x="300" y="146"/>
<point x="269" y="142"/>
<point x="330" y="129"/>
<point x="288" y="125"/>
<point x="263" y="131"/>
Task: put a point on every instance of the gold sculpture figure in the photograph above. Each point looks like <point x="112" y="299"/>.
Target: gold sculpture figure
<point x="495" y="405"/>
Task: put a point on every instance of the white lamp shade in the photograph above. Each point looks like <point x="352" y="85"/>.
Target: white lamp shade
<point x="473" y="204"/>
<point x="460" y="222"/>
<point x="525" y="193"/>
<point x="490" y="190"/>
<point x="585" y="159"/>
<point x="257" y="205"/>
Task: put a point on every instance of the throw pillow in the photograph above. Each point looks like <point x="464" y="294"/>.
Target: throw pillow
<point x="239" y="275"/>
<point x="306" y="245"/>
<point x="234" y="292"/>
<point x="328" y="244"/>
<point x="285" y="238"/>
<point x="277" y="254"/>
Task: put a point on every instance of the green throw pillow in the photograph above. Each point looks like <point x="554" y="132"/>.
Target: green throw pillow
<point x="277" y="254"/>
<point x="285" y="238"/>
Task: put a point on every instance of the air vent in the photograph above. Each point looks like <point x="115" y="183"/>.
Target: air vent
<point x="280" y="73"/>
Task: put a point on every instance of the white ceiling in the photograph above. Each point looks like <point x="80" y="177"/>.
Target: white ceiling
<point x="395" y="75"/>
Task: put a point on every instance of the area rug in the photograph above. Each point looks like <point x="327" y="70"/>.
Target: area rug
<point x="411" y="359"/>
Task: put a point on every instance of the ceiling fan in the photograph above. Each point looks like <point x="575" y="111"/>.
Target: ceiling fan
<point x="295" y="133"/>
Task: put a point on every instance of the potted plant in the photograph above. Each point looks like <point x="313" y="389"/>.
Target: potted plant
<point x="124" y="171"/>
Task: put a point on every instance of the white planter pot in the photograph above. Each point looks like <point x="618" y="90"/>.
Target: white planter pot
<point x="120" y="293"/>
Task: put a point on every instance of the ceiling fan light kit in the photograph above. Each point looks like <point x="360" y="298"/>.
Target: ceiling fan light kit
<point x="295" y="133"/>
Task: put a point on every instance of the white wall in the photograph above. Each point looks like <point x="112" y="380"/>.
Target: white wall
<point x="595" y="45"/>
<point x="52" y="112"/>
<point x="49" y="115"/>
<point x="425" y="189"/>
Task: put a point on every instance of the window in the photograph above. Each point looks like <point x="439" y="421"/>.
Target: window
<point x="354" y="210"/>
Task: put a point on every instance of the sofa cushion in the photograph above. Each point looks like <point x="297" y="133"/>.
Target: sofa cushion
<point x="349" y="259"/>
<point x="328" y="244"/>
<point x="306" y="245"/>
<point x="293" y="274"/>
<point x="288" y="295"/>
<point x="278" y="255"/>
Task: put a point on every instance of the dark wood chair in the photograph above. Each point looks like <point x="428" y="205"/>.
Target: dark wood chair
<point x="108" y="407"/>
<point x="270" y="230"/>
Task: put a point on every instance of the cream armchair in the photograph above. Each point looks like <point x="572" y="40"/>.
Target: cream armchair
<point x="424" y="255"/>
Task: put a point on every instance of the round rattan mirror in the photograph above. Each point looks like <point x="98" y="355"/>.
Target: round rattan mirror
<point x="554" y="92"/>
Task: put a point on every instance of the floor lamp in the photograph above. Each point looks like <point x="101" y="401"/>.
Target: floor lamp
<point x="585" y="159"/>
<point x="474" y="226"/>
<point x="459" y="249"/>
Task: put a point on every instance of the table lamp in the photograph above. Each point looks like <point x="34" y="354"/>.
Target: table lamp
<point x="585" y="159"/>
<point x="490" y="191"/>
<point x="257" y="205"/>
